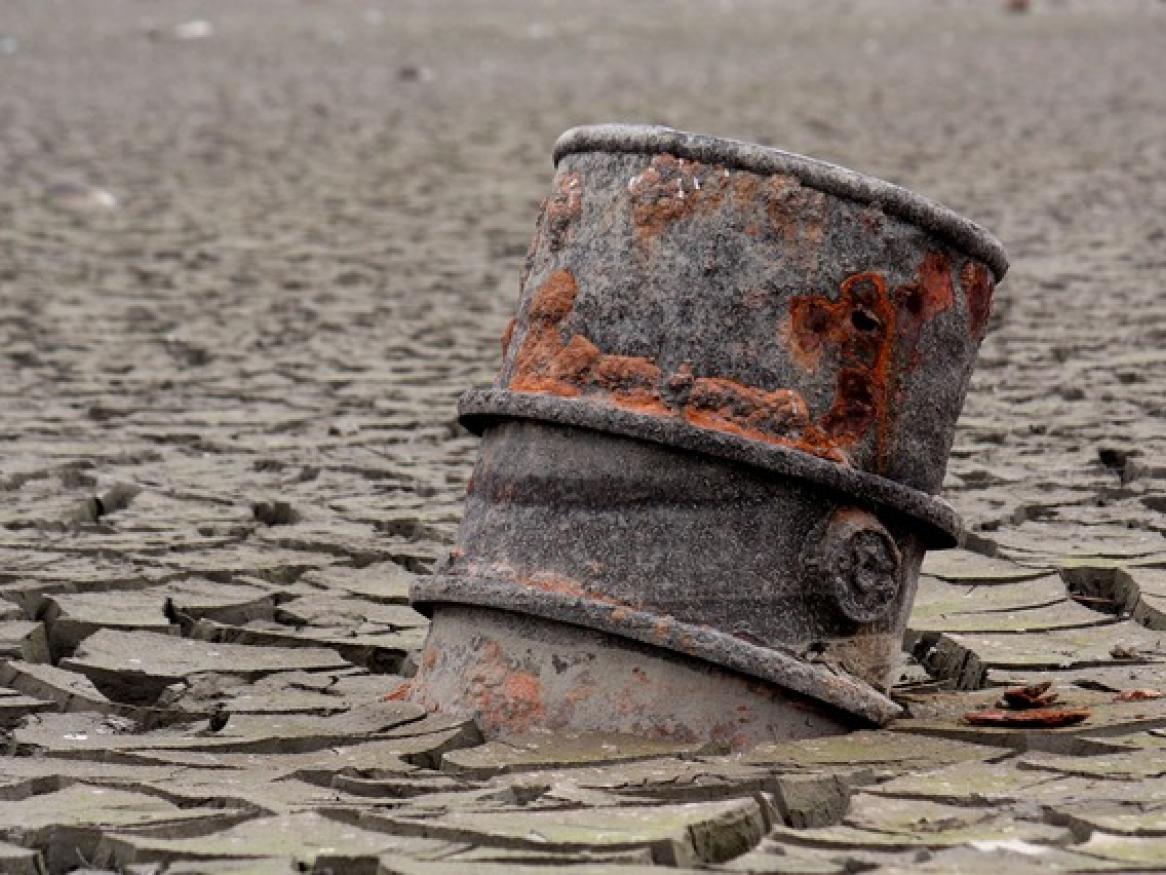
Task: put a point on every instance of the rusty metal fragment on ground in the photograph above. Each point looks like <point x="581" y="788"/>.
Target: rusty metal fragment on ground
<point x="709" y="460"/>
<point x="1137" y="695"/>
<point x="1046" y="718"/>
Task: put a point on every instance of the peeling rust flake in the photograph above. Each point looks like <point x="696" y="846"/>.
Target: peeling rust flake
<point x="780" y="415"/>
<point x="541" y="344"/>
<point x="555" y="298"/>
<point x="573" y="361"/>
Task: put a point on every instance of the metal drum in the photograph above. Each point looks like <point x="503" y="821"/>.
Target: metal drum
<point x="709" y="460"/>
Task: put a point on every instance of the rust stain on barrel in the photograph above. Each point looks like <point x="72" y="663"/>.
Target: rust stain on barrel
<point x="929" y="294"/>
<point x="545" y="364"/>
<point x="541" y="343"/>
<point x="504" y="696"/>
<point x="931" y="291"/>
<point x="977" y="285"/>
<point x="859" y="326"/>
<point x="778" y="415"/>
<point x="864" y="326"/>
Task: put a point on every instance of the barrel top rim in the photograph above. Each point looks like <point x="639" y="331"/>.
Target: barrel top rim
<point x="815" y="173"/>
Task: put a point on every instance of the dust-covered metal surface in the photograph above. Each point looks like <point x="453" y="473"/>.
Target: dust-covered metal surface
<point x="723" y="411"/>
<point x="517" y="673"/>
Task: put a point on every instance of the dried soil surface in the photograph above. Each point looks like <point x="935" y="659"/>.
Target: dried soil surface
<point x="249" y="255"/>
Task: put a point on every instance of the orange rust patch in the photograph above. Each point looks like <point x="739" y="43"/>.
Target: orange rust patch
<point x="398" y="693"/>
<point x="633" y="382"/>
<point x="574" y="360"/>
<point x="857" y="403"/>
<point x="931" y="292"/>
<point x="647" y="403"/>
<point x="626" y="372"/>
<point x="978" y="286"/>
<point x="669" y="189"/>
<point x="546" y="365"/>
<point x="860" y="327"/>
<point x="533" y="365"/>
<point x="555" y="298"/>
<point x="523" y="689"/>
<point x="779" y="416"/>
<point x="921" y="300"/>
<point x="562" y="208"/>
<point x="506" y="699"/>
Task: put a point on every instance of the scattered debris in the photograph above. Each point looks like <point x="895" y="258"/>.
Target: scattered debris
<point x="1028" y="706"/>
<point x="1137" y="695"/>
<point x="1027" y="698"/>
<point x="1045" y="718"/>
<point x="1124" y="651"/>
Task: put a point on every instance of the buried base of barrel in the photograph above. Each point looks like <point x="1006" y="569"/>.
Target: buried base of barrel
<point x="515" y="674"/>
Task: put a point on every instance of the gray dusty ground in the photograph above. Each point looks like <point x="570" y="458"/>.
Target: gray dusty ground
<point x="227" y="437"/>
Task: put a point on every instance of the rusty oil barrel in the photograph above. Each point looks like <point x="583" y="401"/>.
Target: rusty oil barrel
<point x="709" y="461"/>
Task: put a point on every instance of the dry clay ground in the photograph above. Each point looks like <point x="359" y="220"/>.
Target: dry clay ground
<point x="227" y="435"/>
